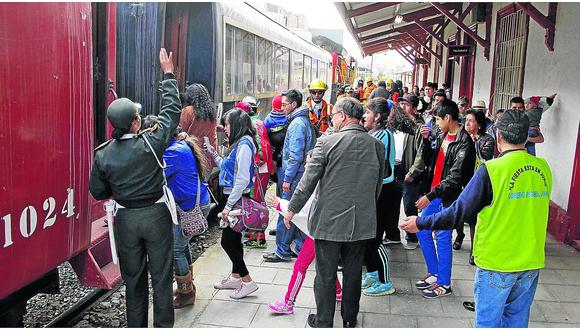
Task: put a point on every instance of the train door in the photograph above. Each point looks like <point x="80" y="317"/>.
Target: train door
<point x="94" y="265"/>
<point x="176" y="40"/>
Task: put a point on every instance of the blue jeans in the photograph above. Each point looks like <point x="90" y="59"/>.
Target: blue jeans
<point x="410" y="196"/>
<point x="503" y="300"/>
<point x="284" y="236"/>
<point x="181" y="252"/>
<point x="438" y="261"/>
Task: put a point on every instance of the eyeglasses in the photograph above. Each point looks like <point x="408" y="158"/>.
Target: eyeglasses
<point x="335" y="113"/>
<point x="285" y="104"/>
<point x="317" y="92"/>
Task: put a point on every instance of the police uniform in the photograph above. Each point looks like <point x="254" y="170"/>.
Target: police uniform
<point x="127" y="170"/>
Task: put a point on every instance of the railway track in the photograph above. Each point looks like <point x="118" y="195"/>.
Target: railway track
<point x="74" y="314"/>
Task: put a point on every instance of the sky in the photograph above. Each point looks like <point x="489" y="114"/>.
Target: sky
<point x="324" y="14"/>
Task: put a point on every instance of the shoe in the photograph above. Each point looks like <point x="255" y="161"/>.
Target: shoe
<point x="339" y="268"/>
<point x="368" y="279"/>
<point x="281" y="307"/>
<point x="185" y="291"/>
<point x="255" y="245"/>
<point x="293" y="254"/>
<point x="244" y="290"/>
<point x="469" y="305"/>
<point x="349" y="324"/>
<point x="411" y="245"/>
<point x="458" y="242"/>
<point x="228" y="283"/>
<point x="312" y="320"/>
<point x="339" y="296"/>
<point x="472" y="260"/>
<point x="426" y="282"/>
<point x="379" y="289"/>
<point x="273" y="257"/>
<point x="387" y="241"/>
<point x="436" y="291"/>
<point x="272" y="232"/>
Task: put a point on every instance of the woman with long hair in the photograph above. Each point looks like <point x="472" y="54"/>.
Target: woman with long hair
<point x="198" y="117"/>
<point x="185" y="163"/>
<point x="377" y="282"/>
<point x="236" y="173"/>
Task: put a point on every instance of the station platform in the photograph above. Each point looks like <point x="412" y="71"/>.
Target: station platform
<point x="556" y="303"/>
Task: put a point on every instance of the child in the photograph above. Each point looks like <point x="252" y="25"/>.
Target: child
<point x="305" y="258"/>
<point x="535" y="107"/>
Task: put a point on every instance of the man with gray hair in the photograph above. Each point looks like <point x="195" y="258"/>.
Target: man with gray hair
<point x="340" y="221"/>
<point x="519" y="185"/>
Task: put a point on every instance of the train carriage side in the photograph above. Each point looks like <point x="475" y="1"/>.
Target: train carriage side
<point x="46" y="138"/>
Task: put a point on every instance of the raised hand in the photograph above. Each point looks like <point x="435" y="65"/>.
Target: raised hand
<point x="165" y="61"/>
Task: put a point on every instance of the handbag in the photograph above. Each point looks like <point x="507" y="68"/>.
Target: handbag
<point x="193" y="223"/>
<point x="254" y="215"/>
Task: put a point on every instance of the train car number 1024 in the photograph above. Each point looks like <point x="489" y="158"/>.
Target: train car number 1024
<point x="29" y="217"/>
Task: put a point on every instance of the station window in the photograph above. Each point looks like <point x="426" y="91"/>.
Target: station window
<point x="264" y="66"/>
<point x="229" y="61"/>
<point x="282" y="62"/>
<point x="307" y="71"/>
<point x="297" y="61"/>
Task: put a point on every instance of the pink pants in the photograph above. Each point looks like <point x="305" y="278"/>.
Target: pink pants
<point x="305" y="258"/>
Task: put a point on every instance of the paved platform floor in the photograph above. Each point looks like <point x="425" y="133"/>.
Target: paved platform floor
<point x="557" y="300"/>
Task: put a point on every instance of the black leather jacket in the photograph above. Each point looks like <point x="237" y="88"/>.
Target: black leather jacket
<point x="457" y="169"/>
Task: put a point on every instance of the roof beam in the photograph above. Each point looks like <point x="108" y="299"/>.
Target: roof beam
<point x="418" y="50"/>
<point x="546" y="22"/>
<point x="404" y="28"/>
<point x="342" y="10"/>
<point x="460" y="25"/>
<point x="369" y="8"/>
<point x="431" y="33"/>
<point x="423" y="43"/>
<point x="408" y="17"/>
<point x="405" y="56"/>
<point x="399" y="37"/>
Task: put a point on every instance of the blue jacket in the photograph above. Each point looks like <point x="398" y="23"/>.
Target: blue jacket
<point x="299" y="140"/>
<point x="275" y="121"/>
<point x="181" y="174"/>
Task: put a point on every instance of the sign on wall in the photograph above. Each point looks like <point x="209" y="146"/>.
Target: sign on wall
<point x="460" y="50"/>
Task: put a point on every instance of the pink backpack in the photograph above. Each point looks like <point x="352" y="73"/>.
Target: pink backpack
<point x="254" y="217"/>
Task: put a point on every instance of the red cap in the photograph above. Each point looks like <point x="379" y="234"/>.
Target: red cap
<point x="245" y="106"/>
<point x="535" y="99"/>
<point x="277" y="103"/>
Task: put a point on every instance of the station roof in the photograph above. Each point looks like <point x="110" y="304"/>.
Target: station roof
<point x="373" y="25"/>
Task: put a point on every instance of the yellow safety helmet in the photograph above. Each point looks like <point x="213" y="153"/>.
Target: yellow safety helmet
<point x="369" y="79"/>
<point x="317" y="84"/>
<point x="390" y="81"/>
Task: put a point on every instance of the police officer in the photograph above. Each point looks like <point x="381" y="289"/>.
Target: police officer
<point x="127" y="169"/>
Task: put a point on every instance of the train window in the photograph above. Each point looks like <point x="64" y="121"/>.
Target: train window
<point x="322" y="70"/>
<point x="264" y="66"/>
<point x="282" y="62"/>
<point x="307" y="71"/>
<point x="314" y="68"/>
<point x="297" y="61"/>
<point x="239" y="61"/>
<point x="229" y="61"/>
<point x="245" y="46"/>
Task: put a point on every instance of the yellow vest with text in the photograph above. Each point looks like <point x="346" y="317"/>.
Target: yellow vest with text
<point x="511" y="232"/>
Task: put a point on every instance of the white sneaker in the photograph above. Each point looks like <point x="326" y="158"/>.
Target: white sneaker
<point x="228" y="283"/>
<point x="244" y="290"/>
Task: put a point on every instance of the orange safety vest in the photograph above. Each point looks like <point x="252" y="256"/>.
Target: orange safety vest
<point x="324" y="120"/>
<point x="368" y="91"/>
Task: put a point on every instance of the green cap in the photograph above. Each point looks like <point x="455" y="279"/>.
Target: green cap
<point x="122" y="112"/>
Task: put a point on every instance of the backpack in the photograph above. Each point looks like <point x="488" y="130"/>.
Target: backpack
<point x="264" y="152"/>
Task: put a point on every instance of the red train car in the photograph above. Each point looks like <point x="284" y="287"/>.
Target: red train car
<point x="55" y="81"/>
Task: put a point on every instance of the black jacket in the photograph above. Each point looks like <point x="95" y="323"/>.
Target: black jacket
<point x="457" y="169"/>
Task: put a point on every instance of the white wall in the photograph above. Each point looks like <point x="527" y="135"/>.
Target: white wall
<point x="558" y="71"/>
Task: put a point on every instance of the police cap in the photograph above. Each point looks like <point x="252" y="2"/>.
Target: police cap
<point x="122" y="112"/>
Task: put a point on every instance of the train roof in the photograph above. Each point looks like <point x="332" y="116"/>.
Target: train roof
<point x="246" y="17"/>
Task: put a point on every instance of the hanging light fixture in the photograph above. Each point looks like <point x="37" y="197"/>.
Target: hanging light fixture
<point x="398" y="19"/>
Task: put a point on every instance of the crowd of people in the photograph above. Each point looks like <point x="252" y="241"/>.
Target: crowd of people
<point x="341" y="173"/>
